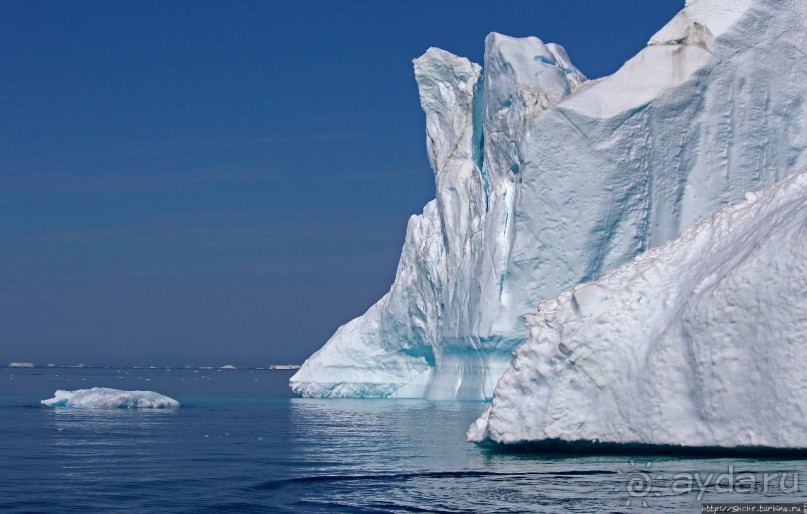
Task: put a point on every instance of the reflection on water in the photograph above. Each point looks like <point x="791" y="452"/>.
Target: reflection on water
<point x="240" y="443"/>
<point x="93" y="419"/>
<point x="94" y="446"/>
<point x="107" y="431"/>
<point x="404" y="455"/>
<point x="410" y="434"/>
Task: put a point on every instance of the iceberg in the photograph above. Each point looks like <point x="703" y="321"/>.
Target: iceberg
<point x="105" y="398"/>
<point x="698" y="342"/>
<point x="545" y="180"/>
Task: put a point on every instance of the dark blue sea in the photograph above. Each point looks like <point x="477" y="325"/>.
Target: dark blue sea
<point x="241" y="442"/>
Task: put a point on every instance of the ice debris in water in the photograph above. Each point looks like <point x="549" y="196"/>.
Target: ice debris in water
<point x="106" y="398"/>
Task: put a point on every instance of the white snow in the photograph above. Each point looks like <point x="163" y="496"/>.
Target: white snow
<point x="545" y="180"/>
<point x="105" y="398"/>
<point x="699" y="342"/>
<point x="720" y="15"/>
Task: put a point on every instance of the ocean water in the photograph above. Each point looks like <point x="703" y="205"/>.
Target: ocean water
<point x="241" y="442"/>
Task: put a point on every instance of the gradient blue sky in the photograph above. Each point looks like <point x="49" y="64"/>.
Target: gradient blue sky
<point x="228" y="182"/>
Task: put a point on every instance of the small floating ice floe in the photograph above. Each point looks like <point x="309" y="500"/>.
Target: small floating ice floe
<point x="106" y="398"/>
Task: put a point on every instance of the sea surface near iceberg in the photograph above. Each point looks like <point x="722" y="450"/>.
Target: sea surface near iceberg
<point x="241" y="442"/>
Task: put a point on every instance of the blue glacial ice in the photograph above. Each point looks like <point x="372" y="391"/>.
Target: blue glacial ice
<point x="568" y="179"/>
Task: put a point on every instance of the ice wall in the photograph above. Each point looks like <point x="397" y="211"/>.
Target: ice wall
<point x="698" y="342"/>
<point x="545" y="180"/>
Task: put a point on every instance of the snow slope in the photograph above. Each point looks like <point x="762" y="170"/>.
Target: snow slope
<point x="699" y="342"/>
<point x="545" y="180"/>
<point x="105" y="398"/>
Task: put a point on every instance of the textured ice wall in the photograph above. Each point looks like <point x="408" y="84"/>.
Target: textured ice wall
<point x="545" y="180"/>
<point x="699" y="342"/>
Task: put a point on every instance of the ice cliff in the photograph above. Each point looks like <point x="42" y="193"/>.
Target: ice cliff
<point x="106" y="398"/>
<point x="698" y="342"/>
<point x="545" y="180"/>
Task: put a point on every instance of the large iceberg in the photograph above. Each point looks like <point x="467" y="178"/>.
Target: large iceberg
<point x="106" y="398"/>
<point x="699" y="342"/>
<point x="545" y="180"/>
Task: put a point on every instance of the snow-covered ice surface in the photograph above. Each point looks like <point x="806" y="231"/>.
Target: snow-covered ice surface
<point x="545" y="180"/>
<point x="698" y="342"/>
<point x="105" y="398"/>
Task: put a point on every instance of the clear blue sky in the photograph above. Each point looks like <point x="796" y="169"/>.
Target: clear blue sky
<point x="209" y="182"/>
